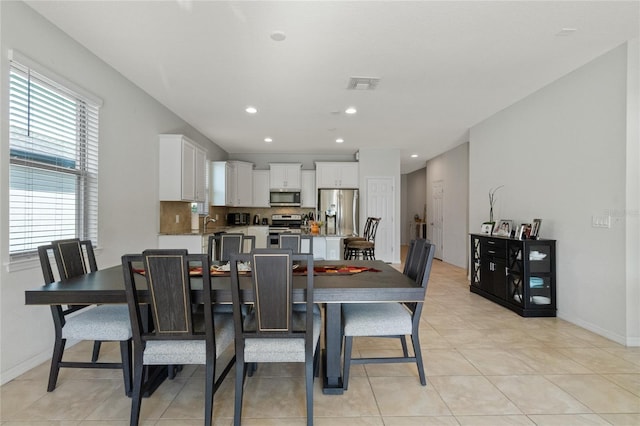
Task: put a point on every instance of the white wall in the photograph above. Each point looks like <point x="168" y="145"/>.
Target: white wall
<point x="382" y="163"/>
<point x="632" y="212"/>
<point x="452" y="168"/>
<point x="561" y="154"/>
<point x="130" y="121"/>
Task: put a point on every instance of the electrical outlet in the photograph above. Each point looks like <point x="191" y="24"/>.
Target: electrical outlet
<point x="177" y="218"/>
<point x="216" y="217"/>
<point x="601" y="221"/>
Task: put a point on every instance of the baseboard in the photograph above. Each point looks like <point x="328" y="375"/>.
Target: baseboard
<point x="623" y="340"/>
<point x="25" y="366"/>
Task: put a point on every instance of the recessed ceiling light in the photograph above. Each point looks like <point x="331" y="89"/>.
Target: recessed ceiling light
<point x="268" y="140"/>
<point x="351" y="110"/>
<point x="414" y="155"/>
<point x="251" y="110"/>
<point x="339" y="140"/>
<point x="278" y="36"/>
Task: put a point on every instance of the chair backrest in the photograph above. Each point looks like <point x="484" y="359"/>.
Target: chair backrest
<point x="168" y="297"/>
<point x="290" y="241"/>
<point x="272" y="287"/>
<point x="373" y="228"/>
<point x="367" y="225"/>
<point x="413" y="261"/>
<point x="73" y="257"/>
<point x="422" y="277"/>
<point x="227" y="243"/>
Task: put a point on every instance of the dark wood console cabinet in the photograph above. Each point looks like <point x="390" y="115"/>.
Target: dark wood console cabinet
<point x="517" y="274"/>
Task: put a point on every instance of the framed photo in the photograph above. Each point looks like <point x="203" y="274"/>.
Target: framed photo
<point x="504" y="228"/>
<point x="535" y="229"/>
<point x="524" y="232"/>
<point x="487" y="228"/>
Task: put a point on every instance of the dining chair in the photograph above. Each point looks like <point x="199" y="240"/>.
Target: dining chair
<point x="396" y="319"/>
<point x="173" y="335"/>
<point x="72" y="258"/>
<point x="294" y="242"/>
<point x="347" y="240"/>
<point x="273" y="331"/>
<point x="414" y="257"/>
<point x="365" y="248"/>
<point x="222" y="245"/>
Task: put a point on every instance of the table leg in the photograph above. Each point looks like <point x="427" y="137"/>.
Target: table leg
<point x="332" y="384"/>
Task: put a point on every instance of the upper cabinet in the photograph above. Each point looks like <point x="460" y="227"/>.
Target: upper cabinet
<point x="182" y="168"/>
<point x="285" y="175"/>
<point x="337" y="175"/>
<point x="232" y="183"/>
<point x="308" y="189"/>
<point x="260" y="188"/>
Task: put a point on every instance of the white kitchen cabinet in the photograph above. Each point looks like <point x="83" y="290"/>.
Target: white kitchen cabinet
<point x="260" y="188"/>
<point x="261" y="233"/>
<point x="182" y="169"/>
<point x="284" y="175"/>
<point x="244" y="183"/>
<point x="337" y="175"/>
<point x="194" y="243"/>
<point x="308" y="188"/>
<point x="231" y="183"/>
<point x="333" y="248"/>
<point x="200" y="175"/>
<point x="319" y="248"/>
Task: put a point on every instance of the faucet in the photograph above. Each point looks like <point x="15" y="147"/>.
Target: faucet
<point x="207" y="220"/>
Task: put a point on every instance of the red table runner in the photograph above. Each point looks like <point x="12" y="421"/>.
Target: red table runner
<point x="317" y="270"/>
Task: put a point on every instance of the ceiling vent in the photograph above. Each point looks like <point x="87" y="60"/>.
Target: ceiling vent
<point x="363" y="83"/>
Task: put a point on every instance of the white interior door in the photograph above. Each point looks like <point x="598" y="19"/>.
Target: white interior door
<point x="380" y="196"/>
<point x="437" y="199"/>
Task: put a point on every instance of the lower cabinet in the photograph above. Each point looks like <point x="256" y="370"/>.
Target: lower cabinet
<point x="196" y="243"/>
<point x="517" y="274"/>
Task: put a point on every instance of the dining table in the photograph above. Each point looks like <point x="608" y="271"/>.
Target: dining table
<point x="335" y="283"/>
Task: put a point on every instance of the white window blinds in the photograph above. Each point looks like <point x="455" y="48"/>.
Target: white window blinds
<point x="53" y="134"/>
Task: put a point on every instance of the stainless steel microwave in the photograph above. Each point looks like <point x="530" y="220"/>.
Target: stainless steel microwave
<point x="284" y="198"/>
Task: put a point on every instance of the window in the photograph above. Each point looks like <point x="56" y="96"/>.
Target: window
<point x="53" y="177"/>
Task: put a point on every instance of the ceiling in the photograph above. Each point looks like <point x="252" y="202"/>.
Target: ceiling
<point x="443" y="66"/>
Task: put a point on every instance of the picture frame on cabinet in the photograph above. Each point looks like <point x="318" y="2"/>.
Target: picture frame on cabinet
<point x="504" y="228"/>
<point x="487" y="228"/>
<point x="524" y="232"/>
<point x="535" y="229"/>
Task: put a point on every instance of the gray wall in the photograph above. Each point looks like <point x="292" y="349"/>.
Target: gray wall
<point x="561" y="155"/>
<point x="452" y="168"/>
<point x="130" y="122"/>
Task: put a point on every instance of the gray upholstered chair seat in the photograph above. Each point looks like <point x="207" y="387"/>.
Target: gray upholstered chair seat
<point x="376" y="319"/>
<point x="161" y="352"/>
<point x="104" y="322"/>
<point x="280" y="350"/>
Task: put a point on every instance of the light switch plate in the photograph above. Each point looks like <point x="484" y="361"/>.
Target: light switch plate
<point x="601" y="221"/>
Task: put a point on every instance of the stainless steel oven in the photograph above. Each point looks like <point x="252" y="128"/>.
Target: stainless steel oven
<point x="282" y="223"/>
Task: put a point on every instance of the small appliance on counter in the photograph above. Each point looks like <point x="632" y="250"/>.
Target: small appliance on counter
<point x="256" y="219"/>
<point x="238" y="218"/>
<point x="265" y="221"/>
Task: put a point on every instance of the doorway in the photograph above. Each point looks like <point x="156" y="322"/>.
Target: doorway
<point x="380" y="201"/>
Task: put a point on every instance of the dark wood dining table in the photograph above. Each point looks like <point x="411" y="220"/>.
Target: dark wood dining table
<point x="381" y="283"/>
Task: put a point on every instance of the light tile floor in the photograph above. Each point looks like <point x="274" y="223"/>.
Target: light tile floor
<point x="485" y="365"/>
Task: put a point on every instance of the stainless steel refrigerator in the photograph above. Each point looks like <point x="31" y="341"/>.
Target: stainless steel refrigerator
<point x="339" y="209"/>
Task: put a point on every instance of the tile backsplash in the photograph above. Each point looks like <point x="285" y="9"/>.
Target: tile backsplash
<point x="169" y="210"/>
